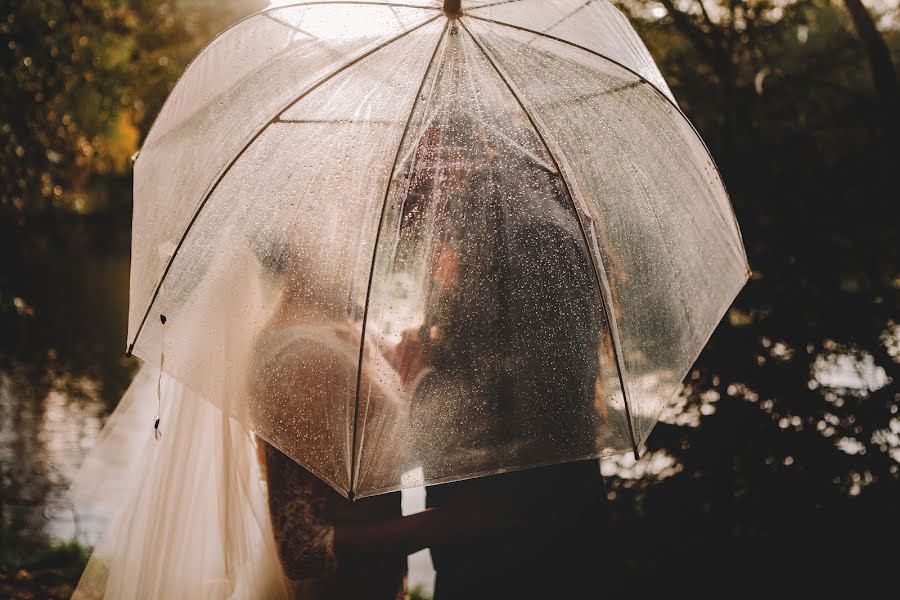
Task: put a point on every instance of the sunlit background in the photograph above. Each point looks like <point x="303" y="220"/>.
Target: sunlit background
<point x="780" y="458"/>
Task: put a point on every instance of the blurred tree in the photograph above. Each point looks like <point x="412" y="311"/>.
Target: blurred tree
<point x="784" y="452"/>
<point x="80" y="82"/>
<point x="884" y="74"/>
<point x="782" y="458"/>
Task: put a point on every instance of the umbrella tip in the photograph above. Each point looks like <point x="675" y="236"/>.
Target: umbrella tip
<point x="129" y="351"/>
<point x="452" y="7"/>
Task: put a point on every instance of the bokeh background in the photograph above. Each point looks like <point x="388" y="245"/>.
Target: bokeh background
<point x="779" y="465"/>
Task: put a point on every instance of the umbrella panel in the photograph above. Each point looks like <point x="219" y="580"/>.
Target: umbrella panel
<point x="596" y="25"/>
<point x="232" y="90"/>
<point x="483" y="277"/>
<point x="660" y="218"/>
<point x="264" y="298"/>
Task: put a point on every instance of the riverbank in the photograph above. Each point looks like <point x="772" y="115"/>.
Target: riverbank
<point x="38" y="569"/>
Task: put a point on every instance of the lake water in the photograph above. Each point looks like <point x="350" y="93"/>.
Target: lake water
<point x="62" y="368"/>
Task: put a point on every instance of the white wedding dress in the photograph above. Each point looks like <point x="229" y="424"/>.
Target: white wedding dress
<point x="190" y="516"/>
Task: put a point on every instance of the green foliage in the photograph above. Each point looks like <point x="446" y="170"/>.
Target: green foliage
<point x="80" y="83"/>
<point x="35" y="568"/>
<point x="419" y="593"/>
<point x="775" y="468"/>
<point x="775" y="462"/>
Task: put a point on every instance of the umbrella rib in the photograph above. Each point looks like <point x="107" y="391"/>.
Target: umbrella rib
<point x="562" y="20"/>
<point x="354" y="462"/>
<point x="347" y="121"/>
<point x="308" y="90"/>
<point x="289" y="26"/>
<point x="655" y="88"/>
<point x="498" y="3"/>
<point x="265" y="13"/>
<point x="596" y="264"/>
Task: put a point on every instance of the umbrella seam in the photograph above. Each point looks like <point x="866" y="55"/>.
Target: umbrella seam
<point x="354" y="461"/>
<point x="211" y="190"/>
<point x="606" y="305"/>
<point x="657" y="90"/>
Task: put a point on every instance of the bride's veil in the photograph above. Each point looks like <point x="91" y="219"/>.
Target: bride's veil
<point x="190" y="509"/>
<point x="189" y="515"/>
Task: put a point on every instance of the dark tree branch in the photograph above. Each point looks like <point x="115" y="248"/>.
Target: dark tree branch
<point x="712" y="52"/>
<point x="706" y="17"/>
<point x="884" y="73"/>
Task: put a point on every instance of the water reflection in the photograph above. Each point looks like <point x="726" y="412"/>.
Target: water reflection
<point x="62" y="369"/>
<point x="48" y="420"/>
<point x="848" y="371"/>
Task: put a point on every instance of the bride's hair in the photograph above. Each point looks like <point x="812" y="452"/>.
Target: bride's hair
<point x="310" y="266"/>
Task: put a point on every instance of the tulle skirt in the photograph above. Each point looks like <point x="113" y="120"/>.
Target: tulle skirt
<point x="190" y="513"/>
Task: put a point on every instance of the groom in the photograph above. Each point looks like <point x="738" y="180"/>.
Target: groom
<point x="509" y="352"/>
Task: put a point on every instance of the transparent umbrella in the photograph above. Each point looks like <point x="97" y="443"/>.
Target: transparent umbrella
<point x="415" y="242"/>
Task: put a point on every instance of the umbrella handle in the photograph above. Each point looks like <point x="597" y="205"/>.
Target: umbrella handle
<point x="452" y="6"/>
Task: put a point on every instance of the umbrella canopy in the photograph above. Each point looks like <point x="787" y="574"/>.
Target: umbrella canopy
<point x="409" y="243"/>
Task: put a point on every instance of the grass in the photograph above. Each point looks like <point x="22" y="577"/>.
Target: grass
<point x="419" y="593"/>
<point x="38" y="569"/>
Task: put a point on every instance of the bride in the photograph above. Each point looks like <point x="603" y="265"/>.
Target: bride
<point x="209" y="510"/>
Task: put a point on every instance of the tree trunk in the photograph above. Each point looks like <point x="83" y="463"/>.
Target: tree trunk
<point x="884" y="74"/>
